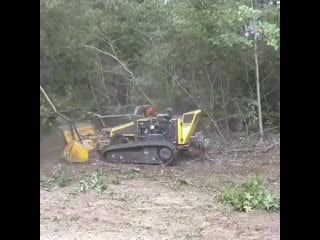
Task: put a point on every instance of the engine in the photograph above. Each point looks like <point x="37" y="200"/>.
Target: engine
<point x="152" y="126"/>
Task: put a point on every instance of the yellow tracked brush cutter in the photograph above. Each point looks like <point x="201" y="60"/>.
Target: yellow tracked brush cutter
<point x="76" y="150"/>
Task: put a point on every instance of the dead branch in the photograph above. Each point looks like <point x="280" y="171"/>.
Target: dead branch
<point x="241" y="150"/>
<point x="48" y="99"/>
<point x="112" y="48"/>
<point x="103" y="80"/>
<point x="266" y="77"/>
<point x="194" y="100"/>
<point x="271" y="91"/>
<point x="215" y="123"/>
<point x="265" y="130"/>
<point x="124" y="67"/>
<point x="230" y="116"/>
<point x="207" y="157"/>
<point x="112" y="56"/>
<point x="270" y="147"/>
<point x="245" y="150"/>
<point x="104" y="96"/>
<point x="173" y="79"/>
<point x="233" y="151"/>
<point x="111" y="116"/>
<point x="52" y="105"/>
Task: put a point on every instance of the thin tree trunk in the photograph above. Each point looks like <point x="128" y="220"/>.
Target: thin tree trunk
<point x="248" y="82"/>
<point x="258" y="87"/>
<point x="211" y="90"/>
<point x="224" y="105"/>
<point x="103" y="80"/>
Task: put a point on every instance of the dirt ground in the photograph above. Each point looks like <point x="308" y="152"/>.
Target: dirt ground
<point x="151" y="202"/>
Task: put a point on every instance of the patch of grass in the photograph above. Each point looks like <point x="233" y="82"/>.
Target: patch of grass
<point x="251" y="195"/>
<point x="99" y="180"/>
<point x="59" y="178"/>
<point x="96" y="180"/>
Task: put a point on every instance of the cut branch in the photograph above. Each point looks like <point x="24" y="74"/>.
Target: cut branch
<point x="270" y="147"/>
<point x="52" y="105"/>
<point x="112" y="56"/>
<point x="48" y="99"/>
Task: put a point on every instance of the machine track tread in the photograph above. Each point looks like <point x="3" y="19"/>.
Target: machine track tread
<point x="139" y="149"/>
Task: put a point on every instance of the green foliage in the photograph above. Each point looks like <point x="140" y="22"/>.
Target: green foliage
<point x="96" y="182"/>
<point x="182" y="53"/>
<point x="251" y="195"/>
<point x="272" y="33"/>
<point x="271" y="118"/>
<point x="99" y="180"/>
<point x="250" y="110"/>
<point x="59" y="178"/>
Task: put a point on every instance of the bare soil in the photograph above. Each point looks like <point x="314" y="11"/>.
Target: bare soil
<point x="151" y="202"/>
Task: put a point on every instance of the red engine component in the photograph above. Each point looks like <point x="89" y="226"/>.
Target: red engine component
<point x="150" y="111"/>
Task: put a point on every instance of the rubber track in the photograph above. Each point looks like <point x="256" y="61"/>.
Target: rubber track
<point x="128" y="146"/>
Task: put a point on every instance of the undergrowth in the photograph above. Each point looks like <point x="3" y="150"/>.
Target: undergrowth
<point x="251" y="195"/>
<point x="96" y="181"/>
<point x="59" y="178"/>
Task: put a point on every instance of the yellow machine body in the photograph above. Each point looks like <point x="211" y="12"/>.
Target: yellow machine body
<point x="76" y="152"/>
<point x="186" y="126"/>
<point x="128" y="130"/>
<point x="87" y="133"/>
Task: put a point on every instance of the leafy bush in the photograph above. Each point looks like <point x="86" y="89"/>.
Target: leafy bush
<point x="251" y="195"/>
<point x="251" y="114"/>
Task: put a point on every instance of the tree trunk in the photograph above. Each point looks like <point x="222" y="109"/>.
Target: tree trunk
<point x="258" y="86"/>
